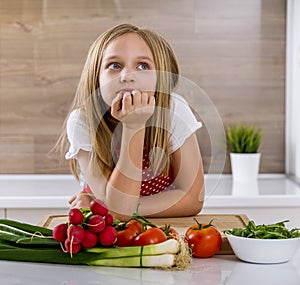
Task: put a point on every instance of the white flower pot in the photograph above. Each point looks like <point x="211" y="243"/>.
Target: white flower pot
<point x="245" y="166"/>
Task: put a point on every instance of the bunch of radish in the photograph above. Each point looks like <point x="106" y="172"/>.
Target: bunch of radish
<point x="86" y="228"/>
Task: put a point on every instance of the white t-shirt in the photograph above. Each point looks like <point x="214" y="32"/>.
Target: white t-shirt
<point x="182" y="124"/>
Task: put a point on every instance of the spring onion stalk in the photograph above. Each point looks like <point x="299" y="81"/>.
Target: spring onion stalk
<point x="169" y="246"/>
<point x="161" y="260"/>
<point x="24" y="242"/>
<point x="26" y="227"/>
<point x="137" y="256"/>
<point x="84" y="258"/>
<point x="26" y="238"/>
<point x="16" y="231"/>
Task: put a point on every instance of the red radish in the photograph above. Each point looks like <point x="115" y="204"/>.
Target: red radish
<point x="108" y="236"/>
<point x="75" y="216"/>
<point x="75" y="234"/>
<point x="60" y="232"/>
<point x="72" y="247"/>
<point x="98" y="207"/>
<point x="108" y="219"/>
<point x="90" y="239"/>
<point x="96" y="224"/>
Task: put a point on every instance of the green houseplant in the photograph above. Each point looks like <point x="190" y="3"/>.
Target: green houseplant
<point x="243" y="142"/>
<point x="243" y="138"/>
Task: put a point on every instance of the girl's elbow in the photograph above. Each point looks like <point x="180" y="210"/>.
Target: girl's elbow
<point x="197" y="200"/>
<point x="194" y="209"/>
<point x="197" y="208"/>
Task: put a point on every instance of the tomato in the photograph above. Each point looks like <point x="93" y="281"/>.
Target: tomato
<point x="125" y="237"/>
<point x="169" y="231"/>
<point x="150" y="236"/>
<point x="134" y="224"/>
<point x="203" y="239"/>
<point x="132" y="229"/>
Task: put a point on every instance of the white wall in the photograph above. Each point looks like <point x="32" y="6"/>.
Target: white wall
<point x="293" y="89"/>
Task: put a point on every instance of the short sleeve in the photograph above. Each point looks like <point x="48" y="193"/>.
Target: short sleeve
<point x="78" y="134"/>
<point x="183" y="122"/>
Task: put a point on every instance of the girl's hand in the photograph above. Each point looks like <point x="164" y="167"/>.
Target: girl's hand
<point x="133" y="109"/>
<point x="82" y="200"/>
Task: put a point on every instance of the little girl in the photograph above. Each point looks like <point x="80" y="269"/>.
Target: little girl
<point x="129" y="138"/>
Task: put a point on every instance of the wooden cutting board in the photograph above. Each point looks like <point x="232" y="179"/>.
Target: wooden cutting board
<point x="220" y="221"/>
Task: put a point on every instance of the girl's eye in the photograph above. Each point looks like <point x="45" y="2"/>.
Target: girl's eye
<point x="114" y="65"/>
<point x="143" y="66"/>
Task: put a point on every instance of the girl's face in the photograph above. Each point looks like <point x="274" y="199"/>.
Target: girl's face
<point x="127" y="65"/>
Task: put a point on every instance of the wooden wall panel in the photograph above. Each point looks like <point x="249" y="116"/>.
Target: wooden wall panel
<point x="234" y="50"/>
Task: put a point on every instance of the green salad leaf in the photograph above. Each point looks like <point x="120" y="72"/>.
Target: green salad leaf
<point x="271" y="231"/>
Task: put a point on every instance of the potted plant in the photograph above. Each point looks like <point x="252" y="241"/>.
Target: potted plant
<point x="243" y="142"/>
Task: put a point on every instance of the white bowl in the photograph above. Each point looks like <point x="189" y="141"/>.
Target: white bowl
<point x="263" y="250"/>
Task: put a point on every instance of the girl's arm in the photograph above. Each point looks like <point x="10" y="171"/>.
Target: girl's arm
<point x="187" y="199"/>
<point x="124" y="184"/>
<point x="83" y="199"/>
<point x="121" y="192"/>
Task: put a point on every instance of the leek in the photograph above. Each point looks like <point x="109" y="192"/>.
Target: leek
<point x="85" y="258"/>
<point x="25" y="242"/>
<point x="168" y="246"/>
<point x="133" y="256"/>
<point x="161" y="260"/>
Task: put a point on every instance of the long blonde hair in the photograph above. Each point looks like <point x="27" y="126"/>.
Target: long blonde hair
<point x="100" y="123"/>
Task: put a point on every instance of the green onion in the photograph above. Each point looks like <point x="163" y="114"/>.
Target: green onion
<point x="84" y="258"/>
<point x="161" y="260"/>
<point x="25" y="244"/>
<point x="26" y="227"/>
<point x="37" y="241"/>
<point x="17" y="235"/>
<point x="134" y="256"/>
<point x="169" y="246"/>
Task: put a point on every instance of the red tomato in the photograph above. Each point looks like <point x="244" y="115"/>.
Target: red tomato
<point x="125" y="237"/>
<point x="131" y="230"/>
<point x="169" y="231"/>
<point x="150" y="236"/>
<point x="204" y="240"/>
<point x="135" y="224"/>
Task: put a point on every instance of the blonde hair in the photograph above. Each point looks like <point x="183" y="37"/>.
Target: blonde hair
<point x="100" y="123"/>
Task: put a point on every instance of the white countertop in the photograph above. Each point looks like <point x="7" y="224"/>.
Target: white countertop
<point x="270" y="190"/>
<point x="220" y="269"/>
<point x="53" y="191"/>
